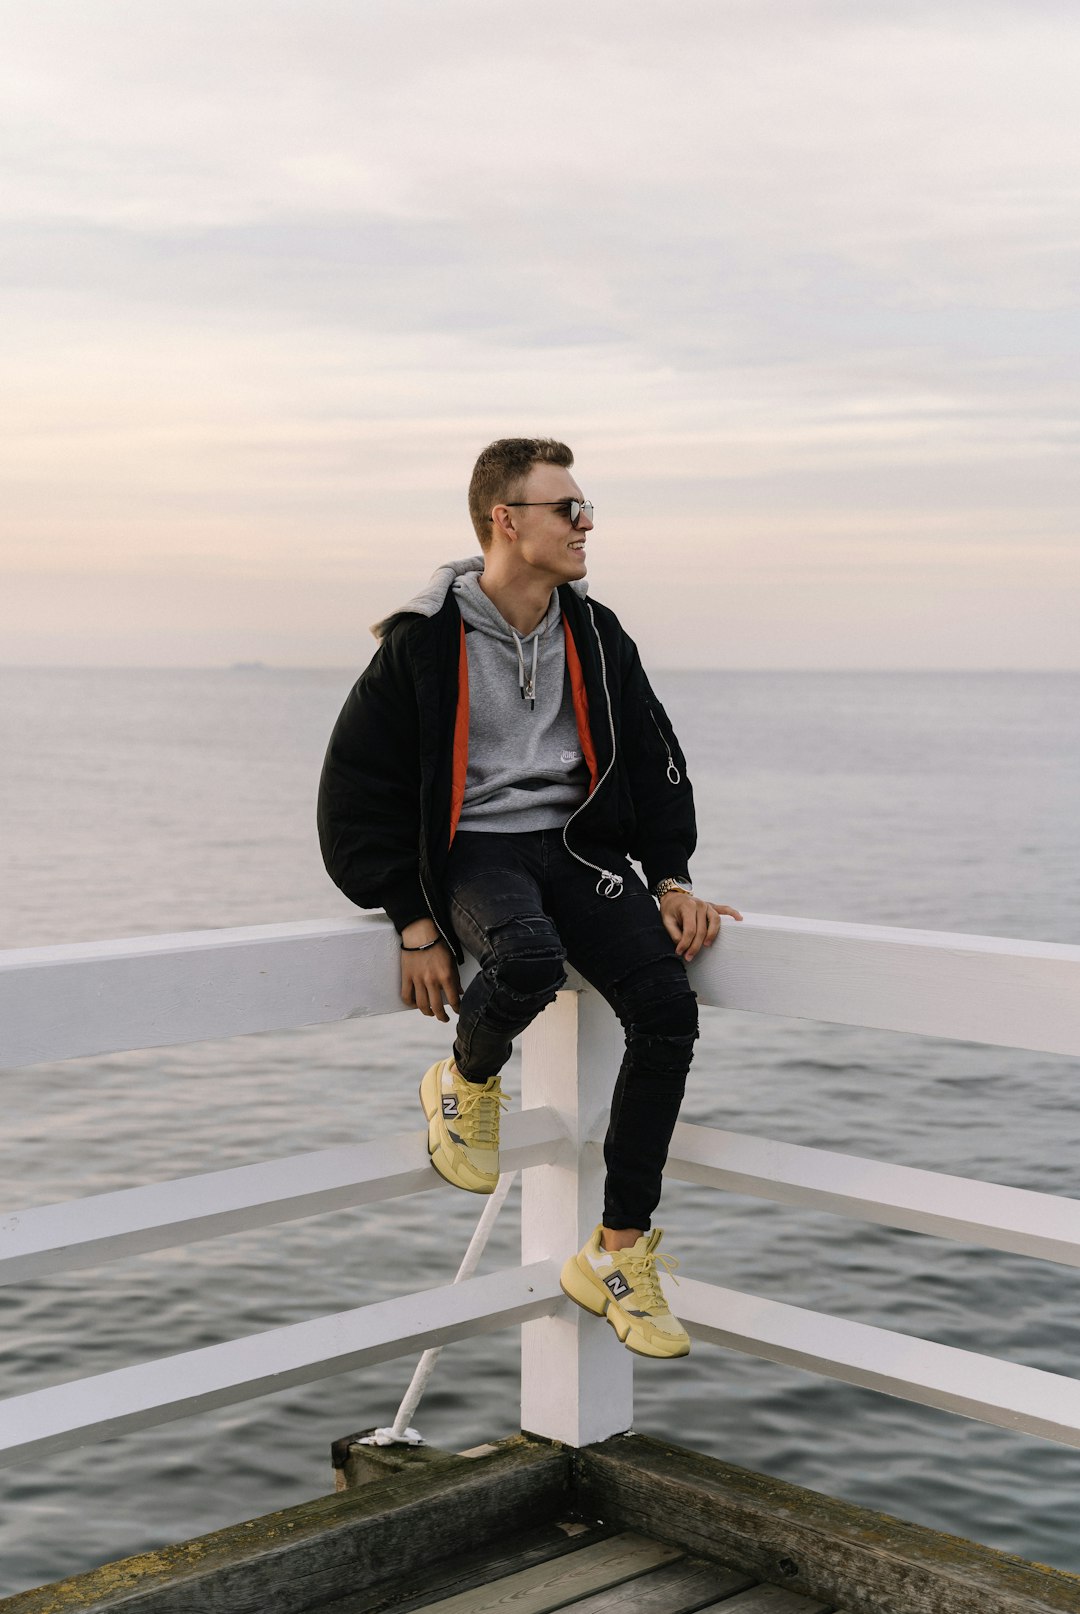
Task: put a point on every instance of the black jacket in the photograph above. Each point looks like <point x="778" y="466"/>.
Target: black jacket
<point x="385" y="793"/>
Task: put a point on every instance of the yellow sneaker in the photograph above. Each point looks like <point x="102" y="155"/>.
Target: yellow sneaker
<point x="624" y="1286"/>
<point x="463" y="1127"/>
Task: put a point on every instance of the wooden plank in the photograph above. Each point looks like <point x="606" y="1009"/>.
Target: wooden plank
<point x="551" y="1586"/>
<point x="677" y="1588"/>
<point x="311" y="1556"/>
<point x="153" y="1393"/>
<point x="940" y="984"/>
<point x="768" y="1600"/>
<point x="1007" y="1394"/>
<point x="467" y="1569"/>
<point x="784" y="1535"/>
<point x="987" y="1214"/>
<point x="106" y="1227"/>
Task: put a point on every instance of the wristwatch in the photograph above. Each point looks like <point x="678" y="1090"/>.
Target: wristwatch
<point x="673" y="883"/>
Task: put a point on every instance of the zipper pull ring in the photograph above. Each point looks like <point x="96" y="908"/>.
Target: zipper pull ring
<point x="673" y="775"/>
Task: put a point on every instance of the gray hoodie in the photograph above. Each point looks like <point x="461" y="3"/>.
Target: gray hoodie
<point x="525" y="770"/>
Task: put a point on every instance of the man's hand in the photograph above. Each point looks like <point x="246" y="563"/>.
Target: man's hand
<point x="691" y="922"/>
<point x="429" y="980"/>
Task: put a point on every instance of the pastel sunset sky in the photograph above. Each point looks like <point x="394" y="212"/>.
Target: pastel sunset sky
<point x="797" y="280"/>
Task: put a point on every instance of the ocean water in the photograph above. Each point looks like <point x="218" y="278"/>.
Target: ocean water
<point x="138" y="802"/>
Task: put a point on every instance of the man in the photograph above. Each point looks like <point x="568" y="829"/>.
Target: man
<point x="491" y="773"/>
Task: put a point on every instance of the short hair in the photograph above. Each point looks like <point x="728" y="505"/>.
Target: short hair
<point x="501" y="469"/>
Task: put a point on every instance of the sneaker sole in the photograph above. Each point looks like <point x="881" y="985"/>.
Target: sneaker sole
<point x="655" y="1355"/>
<point x="429" y="1103"/>
<point x="578" y="1288"/>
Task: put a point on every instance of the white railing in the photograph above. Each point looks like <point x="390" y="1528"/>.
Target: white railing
<point x="577" y="1386"/>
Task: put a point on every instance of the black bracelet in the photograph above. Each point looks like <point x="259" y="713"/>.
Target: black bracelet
<point x="423" y="946"/>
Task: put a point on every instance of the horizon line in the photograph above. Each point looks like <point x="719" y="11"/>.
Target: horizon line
<point x="257" y="666"/>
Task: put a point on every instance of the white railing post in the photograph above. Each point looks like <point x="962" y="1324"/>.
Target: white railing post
<point x="577" y="1381"/>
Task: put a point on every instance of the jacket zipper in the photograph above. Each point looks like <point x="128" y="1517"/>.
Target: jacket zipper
<point x="431" y="911"/>
<point x="609" y="883"/>
<point x="674" y="776"/>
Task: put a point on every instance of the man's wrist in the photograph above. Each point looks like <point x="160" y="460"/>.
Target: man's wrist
<point x="673" y="882"/>
<point x="419" y="932"/>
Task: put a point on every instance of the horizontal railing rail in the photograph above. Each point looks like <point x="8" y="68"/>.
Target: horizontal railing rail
<point x="86" y="999"/>
<point x="1008" y="1394"/>
<point x="988" y="1215"/>
<point x="152" y="1393"/>
<point x="47" y="1239"/>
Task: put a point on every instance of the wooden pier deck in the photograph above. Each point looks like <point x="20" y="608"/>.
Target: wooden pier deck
<point x="528" y="1526"/>
<point x="594" y="1570"/>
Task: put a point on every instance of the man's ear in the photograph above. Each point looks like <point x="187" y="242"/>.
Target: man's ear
<point x="503" y="518"/>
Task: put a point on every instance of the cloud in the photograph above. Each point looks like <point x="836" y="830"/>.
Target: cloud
<point x="270" y="274"/>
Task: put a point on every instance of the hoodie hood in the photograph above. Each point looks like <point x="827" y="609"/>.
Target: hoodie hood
<point x="432" y="597"/>
<point x="483" y="614"/>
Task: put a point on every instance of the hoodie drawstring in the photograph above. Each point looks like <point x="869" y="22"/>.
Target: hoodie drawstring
<point x="527" y="684"/>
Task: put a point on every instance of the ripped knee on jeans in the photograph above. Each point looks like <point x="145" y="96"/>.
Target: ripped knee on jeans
<point x="664" y="1008"/>
<point x="529" y="959"/>
<point x="533" y="975"/>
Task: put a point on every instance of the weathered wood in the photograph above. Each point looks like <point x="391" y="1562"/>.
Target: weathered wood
<point x="356" y="1463"/>
<point x="466" y="1569"/>
<point x="677" y="1588"/>
<point x="552" y="1585"/>
<point x="782" y="1534"/>
<point x="107" y="1227"/>
<point x="768" y="1600"/>
<point x="153" y="1393"/>
<point x="378" y="1549"/>
<point x="306" y="1557"/>
<point x="988" y="1214"/>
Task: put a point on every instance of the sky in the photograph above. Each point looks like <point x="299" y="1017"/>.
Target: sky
<point x="796" y="279"/>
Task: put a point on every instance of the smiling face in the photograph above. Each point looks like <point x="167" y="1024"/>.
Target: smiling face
<point x="544" y="541"/>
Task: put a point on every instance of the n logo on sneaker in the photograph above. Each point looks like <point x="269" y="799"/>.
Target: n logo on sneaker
<point x="617" y="1284"/>
<point x="449" y="1106"/>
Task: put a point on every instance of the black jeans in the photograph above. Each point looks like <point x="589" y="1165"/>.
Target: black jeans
<point x="523" y="907"/>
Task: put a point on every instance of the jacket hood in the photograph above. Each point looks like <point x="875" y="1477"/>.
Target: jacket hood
<point x="432" y="597"/>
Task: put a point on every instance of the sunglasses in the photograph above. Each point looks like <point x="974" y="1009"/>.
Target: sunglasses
<point x="574" y="508"/>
